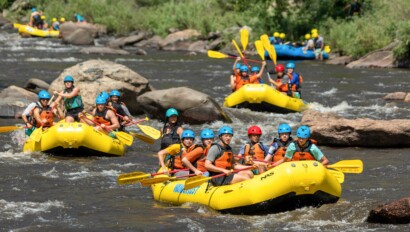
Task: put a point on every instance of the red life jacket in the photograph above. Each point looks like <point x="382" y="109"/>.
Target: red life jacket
<point x="101" y="117"/>
<point x="281" y="151"/>
<point x="303" y="153"/>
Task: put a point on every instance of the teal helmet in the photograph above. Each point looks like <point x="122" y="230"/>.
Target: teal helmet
<point x="225" y="130"/>
<point x="244" y="68"/>
<point x="33" y="9"/>
<point x="100" y="100"/>
<point x="290" y="65"/>
<point x="303" y="132"/>
<point x="187" y="134"/>
<point x="207" y="134"/>
<point x="115" y="93"/>
<point x="104" y="95"/>
<point x="255" y="69"/>
<point x="68" y="79"/>
<point x="43" y="95"/>
<point x="284" y="128"/>
<point x="238" y="66"/>
<point x="170" y="112"/>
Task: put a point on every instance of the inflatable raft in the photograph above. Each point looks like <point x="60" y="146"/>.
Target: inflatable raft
<point x="74" y="138"/>
<point x="31" y="31"/>
<point x="288" y="186"/>
<point x="288" y="52"/>
<point x="262" y="97"/>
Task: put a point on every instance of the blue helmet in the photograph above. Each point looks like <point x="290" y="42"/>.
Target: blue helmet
<point x="100" y="100"/>
<point x="115" y="93"/>
<point x="33" y="9"/>
<point x="68" y="79"/>
<point x="238" y="66"/>
<point x="44" y="95"/>
<point x="104" y="95"/>
<point x="290" y="65"/>
<point x="170" y="112"/>
<point x="225" y="130"/>
<point x="207" y="134"/>
<point x="284" y="128"/>
<point x="255" y="69"/>
<point x="188" y="134"/>
<point x="303" y="132"/>
<point x="244" y="68"/>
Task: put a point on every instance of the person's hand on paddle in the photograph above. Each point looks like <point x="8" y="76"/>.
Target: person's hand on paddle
<point x="248" y="160"/>
<point x="28" y="125"/>
<point x="227" y="172"/>
<point x="198" y="173"/>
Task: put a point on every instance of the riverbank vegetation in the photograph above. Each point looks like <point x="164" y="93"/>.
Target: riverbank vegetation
<point x="381" y="22"/>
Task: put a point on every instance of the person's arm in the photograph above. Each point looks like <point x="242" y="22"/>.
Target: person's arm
<point x="234" y="64"/>
<point x="179" y="131"/>
<point x="161" y="155"/>
<point x="36" y="114"/>
<point x="262" y="69"/>
<point x="233" y="82"/>
<point x="57" y="111"/>
<point x="114" y="121"/>
<point x="210" y="158"/>
<point x="75" y="92"/>
<point x="126" y="111"/>
<point x="288" y="156"/>
<point x="192" y="156"/>
<point x="317" y="153"/>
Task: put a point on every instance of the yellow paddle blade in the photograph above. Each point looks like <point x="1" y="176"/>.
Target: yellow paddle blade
<point x="260" y="49"/>
<point x="9" y="128"/>
<point x="143" y="138"/>
<point x="37" y="134"/>
<point x="339" y="175"/>
<point x="150" y="131"/>
<point x="348" y="166"/>
<point x="269" y="47"/>
<point x="132" y="179"/>
<point x="124" y="137"/>
<point x="156" y="180"/>
<point x="215" y="54"/>
<point x="244" y="38"/>
<point x="195" y="181"/>
<point x="131" y="174"/>
<point x="237" y="48"/>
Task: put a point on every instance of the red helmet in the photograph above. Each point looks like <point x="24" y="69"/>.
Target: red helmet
<point x="254" y="130"/>
<point x="280" y="68"/>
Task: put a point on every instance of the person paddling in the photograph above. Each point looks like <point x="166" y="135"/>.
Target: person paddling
<point x="119" y="107"/>
<point x="244" y="79"/>
<point x="254" y="150"/>
<point x="258" y="72"/>
<point x="279" y="145"/>
<point x="171" y="131"/>
<point x="72" y="100"/>
<point x="236" y="73"/>
<point x="282" y="81"/>
<point x="295" y="80"/>
<point x="43" y="113"/>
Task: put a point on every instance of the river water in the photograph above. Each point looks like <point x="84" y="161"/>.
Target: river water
<point x="39" y="192"/>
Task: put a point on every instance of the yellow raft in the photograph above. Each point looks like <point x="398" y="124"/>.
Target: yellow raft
<point x="261" y="97"/>
<point x="288" y="186"/>
<point x="27" y="30"/>
<point x="74" y="138"/>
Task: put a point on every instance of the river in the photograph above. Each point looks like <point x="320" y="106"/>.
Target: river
<point x="40" y="192"/>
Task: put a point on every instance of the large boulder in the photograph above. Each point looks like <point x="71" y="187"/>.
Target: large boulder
<point x="79" y="37"/>
<point x="340" y="60"/>
<point x="333" y="130"/>
<point x="95" y="76"/>
<point x="94" y="30"/>
<point x="194" y="107"/>
<point x="129" y="40"/>
<point x="169" y="43"/>
<point x="14" y="100"/>
<point x="35" y="85"/>
<point x="382" y="58"/>
<point x="398" y="96"/>
<point x="396" y="212"/>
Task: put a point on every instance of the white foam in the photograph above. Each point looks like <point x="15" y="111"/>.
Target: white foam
<point x="69" y="59"/>
<point x="51" y="174"/>
<point x="12" y="210"/>
<point x="330" y="92"/>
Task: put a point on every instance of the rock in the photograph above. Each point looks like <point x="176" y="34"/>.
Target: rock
<point x="35" y="85"/>
<point x="94" y="30"/>
<point x="396" y="212"/>
<point x="14" y="100"/>
<point x="216" y="44"/>
<point x="332" y="130"/>
<point x="341" y="60"/>
<point x="407" y="99"/>
<point x="123" y="41"/>
<point x="194" y="107"/>
<point x="149" y="43"/>
<point x="140" y="51"/>
<point x="103" y="51"/>
<point x="397" y="96"/>
<point x="95" y="76"/>
<point x="3" y="21"/>
<point x="382" y="58"/>
<point x="79" y="37"/>
<point x="188" y="34"/>
<point x="198" y="46"/>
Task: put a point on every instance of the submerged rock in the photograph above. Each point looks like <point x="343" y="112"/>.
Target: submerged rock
<point x="396" y="212"/>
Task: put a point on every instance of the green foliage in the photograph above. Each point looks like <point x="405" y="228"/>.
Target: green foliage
<point x="4" y="4"/>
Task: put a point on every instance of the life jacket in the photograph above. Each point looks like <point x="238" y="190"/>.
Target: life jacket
<point x="303" y="153"/>
<point x="55" y="26"/>
<point x="283" y="87"/>
<point x="296" y="80"/>
<point x="318" y="43"/>
<point x="101" y="117"/>
<point x="176" y="160"/>
<point x="170" y="138"/>
<point x="225" y="157"/>
<point x="200" y="163"/>
<point x="37" y="19"/>
<point x="256" y="151"/>
<point x="241" y="82"/>
<point x="281" y="151"/>
<point x="45" y="113"/>
<point x="255" y="79"/>
<point x="117" y="108"/>
<point x="72" y="103"/>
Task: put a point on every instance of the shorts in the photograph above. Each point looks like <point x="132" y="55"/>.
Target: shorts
<point x="74" y="113"/>
<point x="317" y="51"/>
<point x="223" y="180"/>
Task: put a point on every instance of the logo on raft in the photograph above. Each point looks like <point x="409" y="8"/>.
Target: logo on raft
<point x="267" y="175"/>
<point x="179" y="188"/>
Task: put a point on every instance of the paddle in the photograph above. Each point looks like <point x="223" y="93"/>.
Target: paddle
<point x="158" y="180"/>
<point x="239" y="51"/>
<point x="244" y="38"/>
<point x="10" y="128"/>
<point x="260" y="49"/>
<point x="195" y="181"/>
<point x="220" y="55"/>
<point x="269" y="47"/>
<point x="150" y="131"/>
<point x="348" y="166"/>
<point x="134" y="177"/>
<point x="143" y="138"/>
<point x="340" y="176"/>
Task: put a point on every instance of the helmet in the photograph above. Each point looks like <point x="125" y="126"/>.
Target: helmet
<point x="307" y="36"/>
<point x="303" y="132"/>
<point x="188" y="134"/>
<point x="170" y="112"/>
<point x="254" y="130"/>
<point x="62" y="19"/>
<point x="33" y="9"/>
<point x="54" y="20"/>
<point x="115" y="93"/>
<point x="276" y="34"/>
<point x="255" y="69"/>
<point x="280" y="68"/>
<point x="43" y="17"/>
<point x="290" y="65"/>
<point x="238" y="66"/>
<point x="207" y="134"/>
<point x="314" y="30"/>
<point x="100" y="100"/>
<point x="44" y="95"/>
<point x="244" y="68"/>
<point x="68" y="79"/>
<point x="104" y="95"/>
<point x="225" y="130"/>
<point x="284" y="128"/>
<point x="315" y="35"/>
<point x="282" y="35"/>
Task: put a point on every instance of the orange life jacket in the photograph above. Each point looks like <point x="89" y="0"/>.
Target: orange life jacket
<point x="241" y="82"/>
<point x="281" y="151"/>
<point x="225" y="157"/>
<point x="200" y="163"/>
<point x="284" y="87"/>
<point x="101" y="117"/>
<point x="303" y="153"/>
<point x="45" y="113"/>
<point x="176" y="161"/>
<point x="256" y="151"/>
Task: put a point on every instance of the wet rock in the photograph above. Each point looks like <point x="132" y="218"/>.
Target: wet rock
<point x="396" y="212"/>
<point x="103" y="51"/>
<point x="94" y="30"/>
<point x="79" y="37"/>
<point x="35" y="85"/>
<point x="397" y="96"/>
<point x="382" y="58"/>
<point x="333" y="130"/>
<point x="198" y="46"/>
<point x="140" y="52"/>
<point x="14" y="100"/>
<point x="185" y="35"/>
<point x="341" y="60"/>
<point x="194" y="107"/>
<point x="129" y="40"/>
<point x="94" y="76"/>
<point x="149" y="43"/>
<point x="215" y="45"/>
